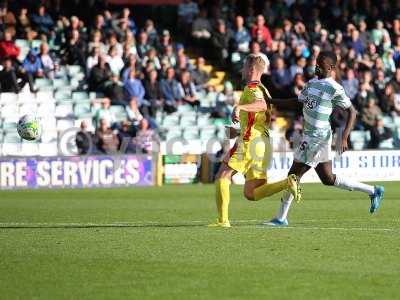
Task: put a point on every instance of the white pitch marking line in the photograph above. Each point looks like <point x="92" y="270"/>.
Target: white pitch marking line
<point x="153" y="223"/>
<point x="330" y="228"/>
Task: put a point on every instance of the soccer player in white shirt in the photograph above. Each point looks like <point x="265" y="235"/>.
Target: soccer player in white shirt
<point x="319" y="96"/>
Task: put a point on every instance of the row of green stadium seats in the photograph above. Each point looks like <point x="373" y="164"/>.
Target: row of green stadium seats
<point x="195" y="133"/>
<point x="43" y="84"/>
<point x="361" y="138"/>
<point x="27" y="44"/>
<point x="29" y="149"/>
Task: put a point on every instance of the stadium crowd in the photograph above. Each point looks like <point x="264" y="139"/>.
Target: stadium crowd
<point x="365" y="35"/>
<point x="145" y="70"/>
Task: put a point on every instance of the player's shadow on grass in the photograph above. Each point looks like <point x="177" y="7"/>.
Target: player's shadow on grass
<point x="101" y="226"/>
<point x="104" y="226"/>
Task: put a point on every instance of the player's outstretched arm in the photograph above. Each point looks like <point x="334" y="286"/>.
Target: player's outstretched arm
<point x="351" y="118"/>
<point x="256" y="106"/>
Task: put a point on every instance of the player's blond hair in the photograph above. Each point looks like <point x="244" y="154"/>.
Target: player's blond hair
<point x="255" y="60"/>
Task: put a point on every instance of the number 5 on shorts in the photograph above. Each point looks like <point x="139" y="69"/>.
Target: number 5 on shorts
<point x="303" y="146"/>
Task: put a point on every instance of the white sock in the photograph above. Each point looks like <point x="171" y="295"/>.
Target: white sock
<point x="350" y="185"/>
<point x="286" y="201"/>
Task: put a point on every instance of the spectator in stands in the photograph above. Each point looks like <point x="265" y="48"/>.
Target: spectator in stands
<point x="386" y="41"/>
<point x="356" y="43"/>
<point x="8" y="77"/>
<point x="379" y="133"/>
<point x="365" y="93"/>
<point x="389" y="102"/>
<point x="324" y="42"/>
<point x="180" y="50"/>
<point x="260" y="40"/>
<point x="269" y="12"/>
<point x="153" y="93"/>
<point x="187" y="11"/>
<point x="145" y="137"/>
<point x="99" y="75"/>
<point x="84" y="140"/>
<point x="241" y="36"/>
<point x="367" y="58"/>
<point x="107" y="140"/>
<point x="132" y="110"/>
<point x="42" y="21"/>
<point x="126" y="17"/>
<point x="364" y="35"/>
<point x="199" y="75"/>
<point x="370" y="113"/>
<point x="280" y="75"/>
<point x="93" y="59"/>
<point x="255" y="49"/>
<point x="281" y="51"/>
<point x="151" y="58"/>
<point x="114" y="90"/>
<point x="105" y="113"/>
<point x="294" y="134"/>
<point x="8" y="47"/>
<point x="75" y="24"/>
<point x="260" y="25"/>
<point x="114" y="61"/>
<point x="379" y="84"/>
<point x="129" y="45"/>
<point x="96" y="42"/>
<point x="74" y="50"/>
<point x="132" y="63"/>
<point x="24" y="27"/>
<point x="395" y="81"/>
<point x="378" y="32"/>
<point x="151" y="33"/>
<point x="170" y="91"/>
<point x="298" y="67"/>
<point x="46" y="61"/>
<point x="32" y="65"/>
<point x="225" y="102"/>
<point x="134" y="88"/>
<point x="396" y="48"/>
<point x="99" y="25"/>
<point x="169" y="58"/>
<point x="121" y="30"/>
<point x="7" y="18"/>
<point x="201" y="28"/>
<point x="187" y="90"/>
<point x="350" y="84"/>
<point x="165" y="41"/>
<point x="388" y="62"/>
<point x="220" y="39"/>
<point x="209" y="99"/>
<point x="115" y="44"/>
<point x="108" y="21"/>
<point x="125" y="138"/>
<point x="143" y="44"/>
<point x="182" y="65"/>
<point x="370" y="55"/>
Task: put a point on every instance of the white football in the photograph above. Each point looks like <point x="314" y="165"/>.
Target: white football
<point x="28" y="128"/>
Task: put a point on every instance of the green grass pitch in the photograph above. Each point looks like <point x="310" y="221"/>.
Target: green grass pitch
<point x="152" y="243"/>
